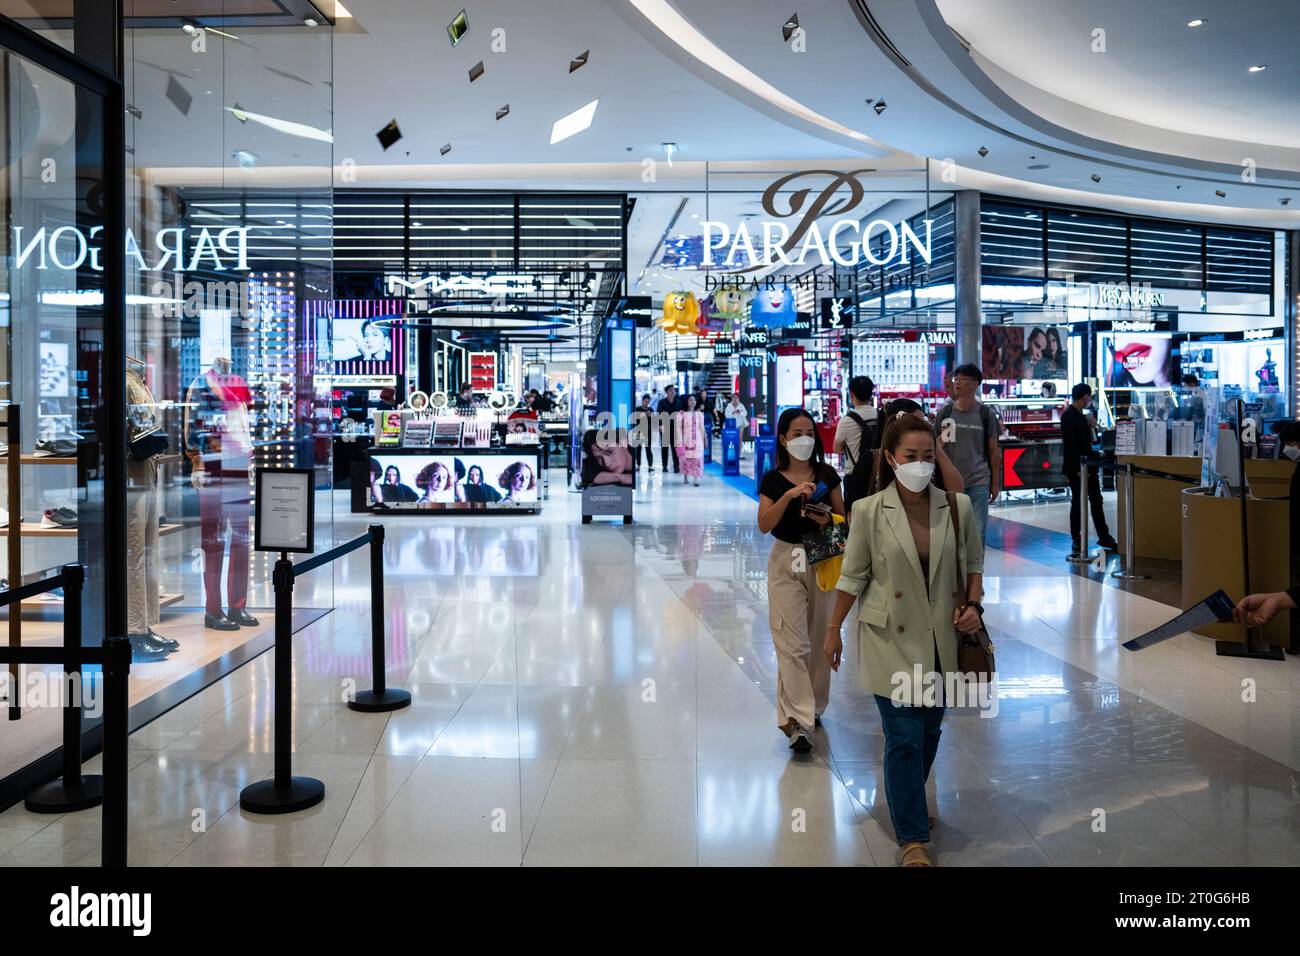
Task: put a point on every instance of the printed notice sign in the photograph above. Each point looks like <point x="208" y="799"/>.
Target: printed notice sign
<point x="285" y="517"/>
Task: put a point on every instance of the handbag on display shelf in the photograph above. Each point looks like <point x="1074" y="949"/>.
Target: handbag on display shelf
<point x="974" y="651"/>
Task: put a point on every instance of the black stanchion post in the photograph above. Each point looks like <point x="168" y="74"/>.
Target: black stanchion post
<point x="380" y="698"/>
<point x="117" y="668"/>
<point x="284" y="793"/>
<point x="73" y="791"/>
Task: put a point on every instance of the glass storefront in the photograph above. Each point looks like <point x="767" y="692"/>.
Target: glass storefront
<point x="227" y="245"/>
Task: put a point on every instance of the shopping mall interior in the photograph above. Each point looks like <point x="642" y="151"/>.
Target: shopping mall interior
<point x="484" y="424"/>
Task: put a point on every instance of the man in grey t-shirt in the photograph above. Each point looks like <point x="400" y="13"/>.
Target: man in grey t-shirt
<point x="969" y="432"/>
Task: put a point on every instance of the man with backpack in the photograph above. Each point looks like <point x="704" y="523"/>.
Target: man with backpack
<point x="968" y="432"/>
<point x="855" y="438"/>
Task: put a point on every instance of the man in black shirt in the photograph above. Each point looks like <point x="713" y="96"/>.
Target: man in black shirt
<point x="1076" y="434"/>
<point x="666" y="409"/>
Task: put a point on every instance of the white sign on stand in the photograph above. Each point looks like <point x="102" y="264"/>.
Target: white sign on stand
<point x="285" y="511"/>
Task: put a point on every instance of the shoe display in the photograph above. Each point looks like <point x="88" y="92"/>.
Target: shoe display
<point x="219" y="622"/>
<point x="56" y="448"/>
<point x="242" y="617"/>
<point x="59" y="518"/>
<point x="146" y="651"/>
<point x="168" y="643"/>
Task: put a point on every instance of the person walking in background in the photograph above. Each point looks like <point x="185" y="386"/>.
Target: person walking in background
<point x="691" y="436"/>
<point x="968" y="430"/>
<point x="639" y="436"/>
<point x="855" y="433"/>
<point x="901" y="559"/>
<point x="794" y="499"/>
<point x="1076" y="437"/>
<point x="667" y="410"/>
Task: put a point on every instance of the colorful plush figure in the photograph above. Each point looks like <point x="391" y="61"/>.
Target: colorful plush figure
<point x="710" y="320"/>
<point x="681" y="310"/>
<point x="773" y="309"/>
<point x="729" y="303"/>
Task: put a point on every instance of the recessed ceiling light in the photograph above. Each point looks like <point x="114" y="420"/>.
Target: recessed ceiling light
<point x="476" y="71"/>
<point x="458" y="27"/>
<point x="788" y="28"/>
<point x="1198" y="22"/>
<point x="1221" y="194"/>
<point x="188" y="28"/>
<point x="574" y="123"/>
<point x="1257" y="68"/>
<point x="880" y="106"/>
<point x="1038" y="166"/>
<point x="579" y="61"/>
<point x="1096" y="178"/>
<point x="311" y="21"/>
<point x="445" y="149"/>
<point x="983" y="151"/>
<point x="1285" y="200"/>
<point x="503" y="112"/>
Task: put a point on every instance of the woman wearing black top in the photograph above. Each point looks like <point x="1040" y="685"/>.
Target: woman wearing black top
<point x="798" y="610"/>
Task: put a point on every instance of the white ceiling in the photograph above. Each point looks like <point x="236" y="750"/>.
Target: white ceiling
<point x="1155" y="70"/>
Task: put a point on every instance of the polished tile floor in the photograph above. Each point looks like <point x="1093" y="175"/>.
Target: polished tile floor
<point x="603" y="695"/>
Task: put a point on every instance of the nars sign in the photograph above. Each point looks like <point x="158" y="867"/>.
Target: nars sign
<point x="1118" y="295"/>
<point x="67" y="247"/>
<point x="780" y="245"/>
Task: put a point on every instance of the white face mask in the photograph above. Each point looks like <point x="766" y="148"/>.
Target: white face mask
<point x="802" y="447"/>
<point x="915" y="475"/>
<point x="1291" y="451"/>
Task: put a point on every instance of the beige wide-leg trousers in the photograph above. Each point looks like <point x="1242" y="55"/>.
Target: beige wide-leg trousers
<point x="798" y="612"/>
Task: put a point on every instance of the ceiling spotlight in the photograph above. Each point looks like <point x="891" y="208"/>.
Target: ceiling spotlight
<point x="1257" y="68"/>
<point x="458" y="27"/>
<point x="788" y="28"/>
<point x="311" y="21"/>
<point x="1096" y="178"/>
<point x="389" y="135"/>
<point x="189" y="27"/>
<point x="1038" y="166"/>
<point x="1198" y="22"/>
<point x="1221" y="194"/>
<point x="983" y="151"/>
<point x="444" y="149"/>
<point x="503" y="112"/>
<point x="880" y="107"/>
<point x="579" y="61"/>
<point x="1285" y="200"/>
<point x="476" y="71"/>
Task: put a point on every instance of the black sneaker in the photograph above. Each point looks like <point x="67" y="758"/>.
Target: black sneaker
<point x="800" y="741"/>
<point x="1108" y="544"/>
<point x="219" y="622"/>
<point x="242" y="617"/>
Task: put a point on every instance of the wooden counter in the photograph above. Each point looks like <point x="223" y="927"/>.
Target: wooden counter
<point x="1158" y="501"/>
<point x="1211" y="535"/>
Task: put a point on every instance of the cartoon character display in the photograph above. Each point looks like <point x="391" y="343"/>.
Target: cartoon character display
<point x="681" y="311"/>
<point x="730" y="306"/>
<point x="773" y="309"/>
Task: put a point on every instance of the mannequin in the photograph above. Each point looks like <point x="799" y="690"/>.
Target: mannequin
<point x="142" y="604"/>
<point x="219" y="445"/>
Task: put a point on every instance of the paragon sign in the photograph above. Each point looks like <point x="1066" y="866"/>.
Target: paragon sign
<point x="68" y="248"/>
<point x="846" y="242"/>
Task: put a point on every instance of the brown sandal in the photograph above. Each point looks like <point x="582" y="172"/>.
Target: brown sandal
<point x="914" y="855"/>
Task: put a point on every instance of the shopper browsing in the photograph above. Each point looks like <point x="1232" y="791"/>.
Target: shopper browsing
<point x="735" y="409"/>
<point x="901" y="557"/>
<point x="639" y="435"/>
<point x="691" y="436"/>
<point x="1076" y="437"/>
<point x="667" y="409"/>
<point x="788" y="500"/>
<point x="968" y="430"/>
<point x="856" y="432"/>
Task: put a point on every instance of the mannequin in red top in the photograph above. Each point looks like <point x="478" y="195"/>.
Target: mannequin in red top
<point x="219" y="444"/>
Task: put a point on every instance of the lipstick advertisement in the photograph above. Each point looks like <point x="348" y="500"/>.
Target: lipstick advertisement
<point x="1137" y="360"/>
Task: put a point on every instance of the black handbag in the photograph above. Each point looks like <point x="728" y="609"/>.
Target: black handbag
<point x="148" y="445"/>
<point x="974" y="651"/>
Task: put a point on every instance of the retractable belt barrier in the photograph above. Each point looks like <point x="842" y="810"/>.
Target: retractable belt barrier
<point x="285" y="793"/>
<point x="75" y="790"/>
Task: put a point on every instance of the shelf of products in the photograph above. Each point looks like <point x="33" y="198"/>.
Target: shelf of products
<point x="33" y="529"/>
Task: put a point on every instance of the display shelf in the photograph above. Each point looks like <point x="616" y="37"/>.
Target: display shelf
<point x="43" y="460"/>
<point x="165" y="600"/>
<point x="34" y="530"/>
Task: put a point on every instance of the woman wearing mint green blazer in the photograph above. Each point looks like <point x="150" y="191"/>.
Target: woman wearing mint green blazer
<point x="899" y="566"/>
